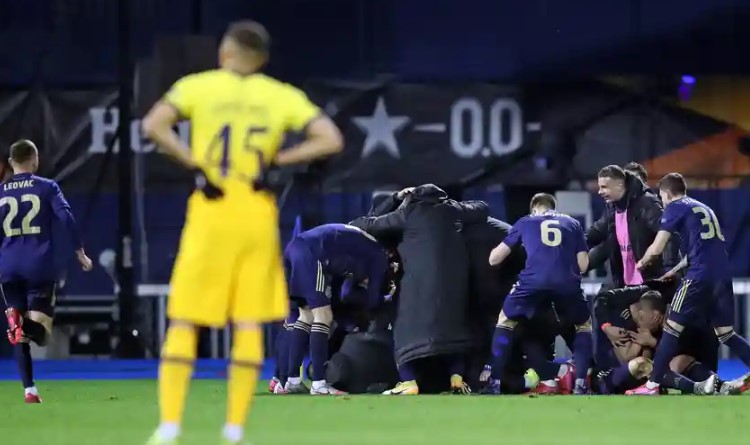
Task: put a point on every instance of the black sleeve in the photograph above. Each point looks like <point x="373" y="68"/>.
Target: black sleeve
<point x="387" y="205"/>
<point x="599" y="231"/>
<point x="390" y="224"/>
<point x="611" y="304"/>
<point x="598" y="255"/>
<point x="474" y="211"/>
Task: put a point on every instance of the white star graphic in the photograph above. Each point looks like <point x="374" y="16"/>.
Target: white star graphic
<point x="381" y="130"/>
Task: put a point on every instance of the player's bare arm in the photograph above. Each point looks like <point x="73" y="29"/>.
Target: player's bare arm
<point x="157" y="125"/>
<point x="655" y="249"/>
<point x="583" y="261"/>
<point x="323" y="139"/>
<point x="499" y="254"/>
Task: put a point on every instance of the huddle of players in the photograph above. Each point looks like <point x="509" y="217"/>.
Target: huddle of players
<point x="556" y="257"/>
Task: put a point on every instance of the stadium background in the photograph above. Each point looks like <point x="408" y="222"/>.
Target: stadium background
<point x="491" y="99"/>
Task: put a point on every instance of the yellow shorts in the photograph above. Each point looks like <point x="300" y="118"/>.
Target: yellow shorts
<point x="228" y="271"/>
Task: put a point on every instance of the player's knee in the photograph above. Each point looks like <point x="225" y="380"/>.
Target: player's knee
<point x="681" y="363"/>
<point x="323" y="315"/>
<point x="247" y="348"/>
<point x="181" y="342"/>
<point x="584" y="327"/>
<point x="305" y="316"/>
<point x="640" y="367"/>
<point x="505" y="322"/>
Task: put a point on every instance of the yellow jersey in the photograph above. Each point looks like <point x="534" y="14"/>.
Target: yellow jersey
<point x="233" y="117"/>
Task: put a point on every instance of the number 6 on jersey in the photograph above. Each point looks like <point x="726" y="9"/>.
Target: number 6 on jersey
<point x="551" y="234"/>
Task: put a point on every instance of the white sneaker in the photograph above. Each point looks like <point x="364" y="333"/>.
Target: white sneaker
<point x="295" y="388"/>
<point x="735" y="387"/>
<point x="326" y="390"/>
<point x="706" y="387"/>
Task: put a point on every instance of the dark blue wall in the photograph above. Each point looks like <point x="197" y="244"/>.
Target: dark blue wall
<point x="76" y="41"/>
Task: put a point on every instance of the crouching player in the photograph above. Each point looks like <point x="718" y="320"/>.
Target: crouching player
<point x="29" y="206"/>
<point x="313" y="259"/>
<point x="557" y="255"/>
<point x="631" y="357"/>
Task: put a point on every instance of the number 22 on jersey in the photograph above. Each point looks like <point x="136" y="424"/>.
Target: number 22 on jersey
<point x="223" y="141"/>
<point x="26" y="223"/>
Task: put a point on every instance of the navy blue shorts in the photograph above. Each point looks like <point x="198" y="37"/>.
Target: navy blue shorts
<point x="701" y="303"/>
<point x="38" y="297"/>
<point x="307" y="282"/>
<point x="524" y="303"/>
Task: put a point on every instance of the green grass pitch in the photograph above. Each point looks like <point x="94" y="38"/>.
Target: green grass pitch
<point x="125" y="412"/>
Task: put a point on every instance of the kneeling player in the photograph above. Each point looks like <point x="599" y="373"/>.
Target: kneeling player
<point x="313" y="259"/>
<point x="706" y="290"/>
<point x="29" y="205"/>
<point x="556" y="257"/>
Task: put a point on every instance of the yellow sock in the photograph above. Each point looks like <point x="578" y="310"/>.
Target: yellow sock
<point x="247" y="357"/>
<point x="175" y="371"/>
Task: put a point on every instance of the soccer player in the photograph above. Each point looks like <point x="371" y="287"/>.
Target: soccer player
<point x="313" y="259"/>
<point x="705" y="294"/>
<point x="229" y="265"/>
<point x="30" y="207"/>
<point x="557" y="255"/>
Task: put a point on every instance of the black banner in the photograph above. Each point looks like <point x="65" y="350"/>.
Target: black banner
<point x="400" y="134"/>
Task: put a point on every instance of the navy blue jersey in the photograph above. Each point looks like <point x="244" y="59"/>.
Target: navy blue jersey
<point x="552" y="242"/>
<point x="345" y="249"/>
<point x="701" y="238"/>
<point x="30" y="208"/>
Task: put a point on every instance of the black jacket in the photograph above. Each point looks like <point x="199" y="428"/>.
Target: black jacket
<point x="432" y="315"/>
<point x="644" y="215"/>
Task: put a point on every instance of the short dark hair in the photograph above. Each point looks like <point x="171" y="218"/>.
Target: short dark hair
<point x="674" y="184"/>
<point x="612" y="171"/>
<point x="637" y="169"/>
<point x="653" y="300"/>
<point x="250" y="35"/>
<point x="21" y="151"/>
<point x="543" y="200"/>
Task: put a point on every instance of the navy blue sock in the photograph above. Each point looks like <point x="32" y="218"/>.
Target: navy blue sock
<point x="319" y="335"/>
<point x="665" y="352"/>
<point x="678" y="381"/>
<point x="697" y="372"/>
<point x="583" y="350"/>
<point x="537" y="360"/>
<point x="620" y="375"/>
<point x="502" y="342"/>
<point x="406" y="372"/>
<point x="738" y="345"/>
<point x="277" y="351"/>
<point x="299" y="340"/>
<point x="34" y="331"/>
<point x="25" y="367"/>
<point x="283" y="345"/>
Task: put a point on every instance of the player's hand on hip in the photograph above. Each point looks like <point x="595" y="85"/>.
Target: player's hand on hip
<point x="85" y="261"/>
<point x="202" y="183"/>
